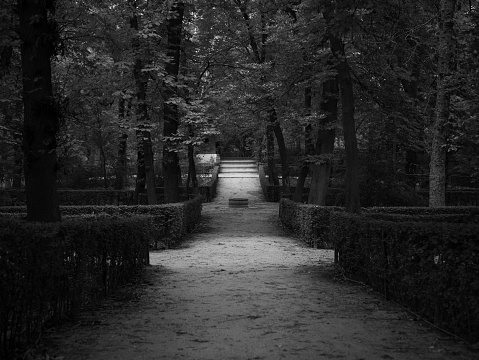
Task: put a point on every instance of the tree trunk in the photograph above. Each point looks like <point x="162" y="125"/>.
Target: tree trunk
<point x="446" y="46"/>
<point x="149" y="169"/>
<point x="283" y="152"/>
<point x="40" y="111"/>
<point x="103" y="166"/>
<point x="191" y="167"/>
<point x="18" y="170"/>
<point x="308" y="148"/>
<point x="272" y="177"/>
<point x="349" y="128"/>
<point x="140" y="182"/>
<point x="146" y="168"/>
<point x="170" y="110"/>
<point x="120" y="171"/>
<point x="121" y="174"/>
<point x="191" y="171"/>
<point x="325" y="144"/>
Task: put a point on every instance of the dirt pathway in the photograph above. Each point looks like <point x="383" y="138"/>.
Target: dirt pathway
<point x="240" y="288"/>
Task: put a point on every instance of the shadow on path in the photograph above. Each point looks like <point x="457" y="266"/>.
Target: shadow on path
<point x="241" y="288"/>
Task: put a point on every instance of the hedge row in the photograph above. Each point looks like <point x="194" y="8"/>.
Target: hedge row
<point x="431" y="267"/>
<point x="171" y="221"/>
<point x="49" y="272"/>
<point x="419" y="210"/>
<point x="310" y="222"/>
<point x="424" y="258"/>
<point x="17" y="197"/>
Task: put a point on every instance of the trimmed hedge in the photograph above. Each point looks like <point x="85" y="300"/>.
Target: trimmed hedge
<point x="17" y="197"/>
<point x="431" y="267"/>
<point x="461" y="197"/>
<point x="50" y="271"/>
<point x="171" y="221"/>
<point x="310" y="222"/>
<point x="467" y="218"/>
<point x="424" y="210"/>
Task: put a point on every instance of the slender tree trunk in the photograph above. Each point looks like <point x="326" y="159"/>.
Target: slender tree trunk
<point x="325" y="144"/>
<point x="170" y="110"/>
<point x="103" y="166"/>
<point x="121" y="174"/>
<point x="308" y="148"/>
<point x="191" y="172"/>
<point x="272" y="177"/>
<point x="146" y="168"/>
<point x="283" y="152"/>
<point x="191" y="166"/>
<point x="411" y="87"/>
<point x="40" y="111"/>
<point x="120" y="171"/>
<point x="349" y="127"/>
<point x="140" y="183"/>
<point x="149" y="168"/>
<point x="446" y="46"/>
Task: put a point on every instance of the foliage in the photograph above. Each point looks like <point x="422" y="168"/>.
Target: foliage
<point x="310" y="222"/>
<point x="431" y="267"/>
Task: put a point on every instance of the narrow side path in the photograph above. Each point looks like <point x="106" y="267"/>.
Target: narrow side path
<point x="241" y="288"/>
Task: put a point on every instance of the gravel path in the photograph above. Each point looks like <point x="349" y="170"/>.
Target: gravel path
<point x="242" y="288"/>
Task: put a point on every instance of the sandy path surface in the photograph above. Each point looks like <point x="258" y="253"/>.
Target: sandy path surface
<point x="241" y="288"/>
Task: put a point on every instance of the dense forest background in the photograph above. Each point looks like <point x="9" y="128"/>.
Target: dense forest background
<point x="382" y="94"/>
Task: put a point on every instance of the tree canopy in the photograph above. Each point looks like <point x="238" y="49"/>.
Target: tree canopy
<point x="382" y="92"/>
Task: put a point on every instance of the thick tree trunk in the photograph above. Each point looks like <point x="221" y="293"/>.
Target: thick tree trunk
<point x="325" y="144"/>
<point x="170" y="110"/>
<point x="40" y="111"/>
<point x="308" y="148"/>
<point x="349" y="128"/>
<point x="437" y="166"/>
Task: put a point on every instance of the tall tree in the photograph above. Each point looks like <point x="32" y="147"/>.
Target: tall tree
<point x="325" y="143"/>
<point x="336" y="16"/>
<point x="445" y="83"/>
<point x="146" y="169"/>
<point x="38" y="33"/>
<point x="170" y="109"/>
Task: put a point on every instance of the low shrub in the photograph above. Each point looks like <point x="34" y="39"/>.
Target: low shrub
<point x="17" y="197"/>
<point x="424" y="210"/>
<point x="50" y="271"/>
<point x="461" y="197"/>
<point x="467" y="218"/>
<point x="431" y="267"/>
<point x="171" y="221"/>
<point x="310" y="222"/>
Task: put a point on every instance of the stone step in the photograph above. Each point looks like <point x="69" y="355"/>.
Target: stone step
<point x="240" y="171"/>
<point x="237" y="159"/>
<point x="238" y="175"/>
<point x="239" y="165"/>
<point x="243" y="163"/>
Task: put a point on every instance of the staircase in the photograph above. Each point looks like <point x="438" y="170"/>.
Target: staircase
<point x="238" y="168"/>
